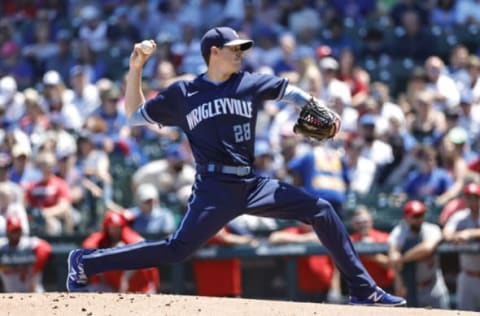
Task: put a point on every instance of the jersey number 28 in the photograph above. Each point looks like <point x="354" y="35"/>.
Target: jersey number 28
<point x="242" y="132"/>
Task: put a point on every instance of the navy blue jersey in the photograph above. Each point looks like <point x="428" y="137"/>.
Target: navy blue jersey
<point x="218" y="119"/>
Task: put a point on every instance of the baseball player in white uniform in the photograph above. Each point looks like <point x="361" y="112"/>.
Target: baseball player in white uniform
<point x="22" y="259"/>
<point x="414" y="241"/>
<point x="462" y="227"/>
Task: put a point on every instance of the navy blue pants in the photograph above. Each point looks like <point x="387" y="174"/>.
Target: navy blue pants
<point x="215" y="201"/>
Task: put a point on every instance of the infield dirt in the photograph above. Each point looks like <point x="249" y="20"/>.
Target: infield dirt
<point x="95" y="304"/>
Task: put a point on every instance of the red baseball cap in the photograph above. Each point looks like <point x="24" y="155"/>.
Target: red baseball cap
<point x="414" y="207"/>
<point x="472" y="189"/>
<point x="323" y="51"/>
<point x="13" y="223"/>
<point x="112" y="219"/>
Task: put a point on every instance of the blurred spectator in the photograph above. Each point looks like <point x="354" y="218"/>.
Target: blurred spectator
<point x="49" y="198"/>
<point x="168" y="174"/>
<point x="405" y="43"/>
<point x="93" y="30"/>
<point x="452" y="116"/>
<point x="94" y="165"/>
<point x="280" y="131"/>
<point x="86" y="96"/>
<point x="332" y="87"/>
<point x="389" y="176"/>
<point x="412" y="256"/>
<point x="467" y="12"/>
<point x="264" y="159"/>
<point x="23" y="259"/>
<point x="52" y="80"/>
<point x="7" y="30"/>
<point x="452" y="157"/>
<point x="457" y="67"/>
<point x="149" y="216"/>
<point x="67" y="170"/>
<point x="374" y="147"/>
<point x="286" y="63"/>
<point x="469" y="119"/>
<point x="11" y="101"/>
<point x="108" y="111"/>
<point x="16" y="191"/>
<point x="356" y="10"/>
<point x="163" y="53"/>
<point x="428" y="123"/>
<point x="314" y="273"/>
<point x="337" y="39"/>
<point x="303" y="18"/>
<point x="473" y="68"/>
<point x="443" y="13"/>
<point x="221" y="277"/>
<point x="401" y="7"/>
<point x="457" y="204"/>
<point x="145" y="18"/>
<point x="35" y="120"/>
<point x="309" y="76"/>
<point x="266" y="50"/>
<point x="166" y="74"/>
<point x="12" y="64"/>
<point x="416" y="83"/>
<point x="22" y="170"/>
<point x="94" y="64"/>
<point x="257" y="225"/>
<point x="58" y="102"/>
<point x="463" y="227"/>
<point x="42" y="48"/>
<point x="10" y="207"/>
<point x="443" y="88"/>
<point x="121" y="33"/>
<point x="349" y="72"/>
<point x="387" y="109"/>
<point x="63" y="59"/>
<point x="321" y="172"/>
<point x="429" y="182"/>
<point x="115" y="232"/>
<point x="374" y="44"/>
<point x="377" y="265"/>
<point x="360" y="169"/>
<point x="173" y="14"/>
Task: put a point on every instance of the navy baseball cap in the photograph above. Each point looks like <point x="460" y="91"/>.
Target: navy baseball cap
<point x="223" y="36"/>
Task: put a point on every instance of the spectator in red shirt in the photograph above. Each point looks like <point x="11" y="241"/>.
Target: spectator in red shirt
<point x="378" y="264"/>
<point x="50" y="196"/>
<point x="221" y="277"/>
<point x="314" y="273"/>
<point x="115" y="232"/>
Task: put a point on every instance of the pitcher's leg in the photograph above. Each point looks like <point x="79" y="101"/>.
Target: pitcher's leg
<point x="195" y="229"/>
<point x="332" y="233"/>
<point x="276" y="199"/>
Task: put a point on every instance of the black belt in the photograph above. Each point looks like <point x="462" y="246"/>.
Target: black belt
<point x="235" y="170"/>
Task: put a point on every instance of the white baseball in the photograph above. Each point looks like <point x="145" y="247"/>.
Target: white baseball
<point x="146" y="46"/>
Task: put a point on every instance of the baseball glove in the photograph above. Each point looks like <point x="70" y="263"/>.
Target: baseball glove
<point x="317" y="121"/>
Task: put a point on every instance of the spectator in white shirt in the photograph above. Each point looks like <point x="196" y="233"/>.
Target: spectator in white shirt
<point x="444" y="89"/>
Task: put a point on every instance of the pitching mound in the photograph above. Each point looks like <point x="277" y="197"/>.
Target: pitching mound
<point x="87" y="304"/>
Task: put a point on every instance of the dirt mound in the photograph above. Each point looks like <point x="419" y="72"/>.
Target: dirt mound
<point x="91" y="304"/>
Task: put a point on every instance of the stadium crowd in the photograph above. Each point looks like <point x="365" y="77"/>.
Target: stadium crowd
<point x="404" y="76"/>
